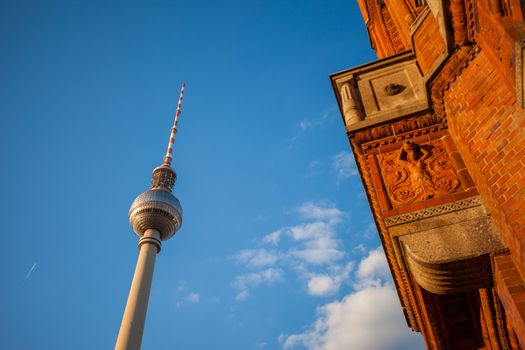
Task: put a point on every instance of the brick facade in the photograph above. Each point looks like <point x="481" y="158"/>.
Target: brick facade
<point x="489" y="129"/>
<point x="428" y="43"/>
<point x="437" y="127"/>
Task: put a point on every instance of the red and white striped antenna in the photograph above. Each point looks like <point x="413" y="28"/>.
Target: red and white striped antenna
<point x="169" y="151"/>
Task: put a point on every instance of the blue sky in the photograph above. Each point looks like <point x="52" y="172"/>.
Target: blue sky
<point x="277" y="249"/>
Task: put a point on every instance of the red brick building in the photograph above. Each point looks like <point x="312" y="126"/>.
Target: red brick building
<point x="437" y="127"/>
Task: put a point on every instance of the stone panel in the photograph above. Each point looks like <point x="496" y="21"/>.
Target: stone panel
<point x="379" y="92"/>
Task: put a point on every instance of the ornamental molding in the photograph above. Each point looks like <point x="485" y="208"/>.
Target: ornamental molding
<point x="398" y="131"/>
<point x="471" y="19"/>
<point x="432" y="211"/>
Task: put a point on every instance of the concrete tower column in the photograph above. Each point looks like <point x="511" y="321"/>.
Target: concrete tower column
<point x="132" y="326"/>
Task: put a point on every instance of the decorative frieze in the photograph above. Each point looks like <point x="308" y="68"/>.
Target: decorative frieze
<point x="405" y="129"/>
<point x="432" y="211"/>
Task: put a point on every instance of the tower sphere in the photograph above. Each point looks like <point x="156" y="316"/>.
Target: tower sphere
<point x="156" y="209"/>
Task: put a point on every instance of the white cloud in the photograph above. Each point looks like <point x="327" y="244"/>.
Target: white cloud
<point x="314" y="164"/>
<point x="317" y="256"/>
<point x="306" y="124"/>
<point x="324" y="211"/>
<point x="317" y="243"/>
<point x="310" y="249"/>
<point x="373" y="267"/>
<point x="247" y="281"/>
<point x="322" y="119"/>
<point x="190" y="298"/>
<point x="370" y="230"/>
<point x="181" y="286"/>
<point x="310" y="123"/>
<point x="272" y="238"/>
<point x="329" y="283"/>
<point x="344" y="165"/>
<point x="370" y="318"/>
<point x="322" y="285"/>
<point x="314" y="168"/>
<point x="310" y="230"/>
<point x="256" y="257"/>
<point x="360" y="248"/>
<point x="242" y="295"/>
<point x="322" y="242"/>
<point x="261" y="345"/>
<point x="193" y="298"/>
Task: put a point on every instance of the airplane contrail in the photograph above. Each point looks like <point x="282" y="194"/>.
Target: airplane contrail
<point x="30" y="272"/>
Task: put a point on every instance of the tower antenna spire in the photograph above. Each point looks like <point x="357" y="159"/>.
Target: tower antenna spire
<point x="169" y="151"/>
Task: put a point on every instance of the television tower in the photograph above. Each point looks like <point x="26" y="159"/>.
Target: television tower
<point x="155" y="215"/>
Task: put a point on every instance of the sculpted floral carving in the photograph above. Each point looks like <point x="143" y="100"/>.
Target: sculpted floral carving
<point x="417" y="172"/>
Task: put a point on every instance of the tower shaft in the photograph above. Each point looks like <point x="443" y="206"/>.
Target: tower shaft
<point x="132" y="327"/>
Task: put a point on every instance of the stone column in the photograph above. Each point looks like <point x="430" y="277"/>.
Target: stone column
<point x="132" y="327"/>
<point x="350" y="105"/>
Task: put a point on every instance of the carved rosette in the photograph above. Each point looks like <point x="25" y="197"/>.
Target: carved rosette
<point x="417" y="172"/>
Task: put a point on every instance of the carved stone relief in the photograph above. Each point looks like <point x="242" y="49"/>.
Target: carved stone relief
<point x="417" y="172"/>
